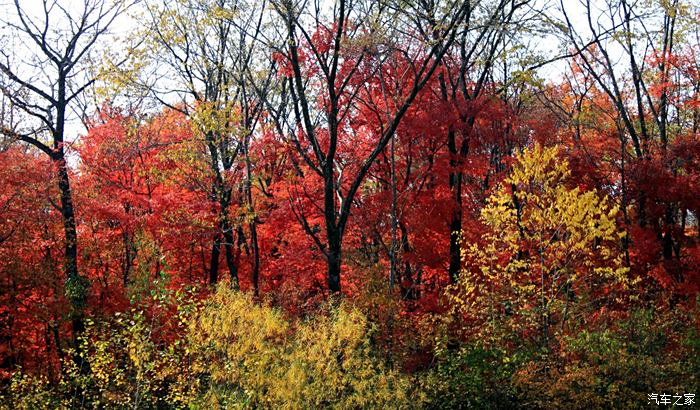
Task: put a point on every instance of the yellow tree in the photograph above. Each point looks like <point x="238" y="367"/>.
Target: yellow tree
<point x="551" y="253"/>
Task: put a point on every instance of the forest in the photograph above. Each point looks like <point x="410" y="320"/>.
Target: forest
<point x="349" y="204"/>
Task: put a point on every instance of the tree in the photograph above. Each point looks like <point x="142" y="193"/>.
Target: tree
<point x="328" y="64"/>
<point x="57" y="44"/>
<point x="635" y="56"/>
<point x="551" y="253"/>
<point x="208" y="48"/>
<point x="30" y="271"/>
<point x="467" y="83"/>
<point x="134" y="186"/>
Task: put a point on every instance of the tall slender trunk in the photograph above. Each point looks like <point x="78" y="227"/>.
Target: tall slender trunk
<point x="256" y="257"/>
<point x="624" y="200"/>
<point x="409" y="289"/>
<point x="455" y="226"/>
<point x="76" y="286"/>
<point x="252" y="225"/>
<point x="334" y="235"/>
<point x="333" y="261"/>
<point x="394" y="224"/>
<point x="221" y="194"/>
<point x="76" y="295"/>
<point x="228" y="248"/>
<point x="456" y="188"/>
<point x="214" y="265"/>
<point x="130" y="253"/>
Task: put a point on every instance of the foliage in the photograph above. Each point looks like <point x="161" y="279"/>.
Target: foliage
<point x="237" y="354"/>
<point x="252" y="356"/>
<point x="470" y="376"/>
<point x="549" y="252"/>
<point x="421" y="218"/>
<point x="131" y="361"/>
<point x="651" y="351"/>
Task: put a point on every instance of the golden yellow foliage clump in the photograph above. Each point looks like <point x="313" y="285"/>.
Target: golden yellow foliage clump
<point x="255" y="358"/>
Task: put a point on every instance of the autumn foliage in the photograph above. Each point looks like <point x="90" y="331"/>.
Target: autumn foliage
<point x="356" y="217"/>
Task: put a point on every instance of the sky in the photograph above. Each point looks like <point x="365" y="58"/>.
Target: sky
<point x="60" y="10"/>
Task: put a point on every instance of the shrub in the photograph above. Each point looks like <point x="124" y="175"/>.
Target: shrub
<point x="249" y="355"/>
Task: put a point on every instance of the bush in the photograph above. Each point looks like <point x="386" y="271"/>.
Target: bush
<point x="650" y="352"/>
<point x="249" y="355"/>
<point x="230" y="352"/>
<point x="136" y="359"/>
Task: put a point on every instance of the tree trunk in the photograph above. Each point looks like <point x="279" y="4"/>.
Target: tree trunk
<point x="228" y="247"/>
<point x="456" y="220"/>
<point x="253" y="221"/>
<point x="76" y="286"/>
<point x="214" y="266"/>
<point x="456" y="188"/>
<point x="455" y="231"/>
<point x="256" y="257"/>
<point x="333" y="231"/>
<point x="408" y="284"/>
<point x="334" y="259"/>
<point x="130" y="253"/>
